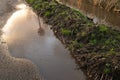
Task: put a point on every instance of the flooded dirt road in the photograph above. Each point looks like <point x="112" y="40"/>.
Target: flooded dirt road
<point x="47" y="52"/>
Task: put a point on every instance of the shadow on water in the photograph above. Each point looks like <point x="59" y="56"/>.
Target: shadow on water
<point x="47" y="52"/>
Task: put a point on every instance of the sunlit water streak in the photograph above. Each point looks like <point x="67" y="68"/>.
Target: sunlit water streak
<point x="47" y="52"/>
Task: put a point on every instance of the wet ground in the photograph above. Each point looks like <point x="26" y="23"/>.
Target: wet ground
<point x="6" y="9"/>
<point x="12" y="68"/>
<point x="46" y="51"/>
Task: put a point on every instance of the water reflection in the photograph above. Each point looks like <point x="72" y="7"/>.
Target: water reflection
<point x="53" y="60"/>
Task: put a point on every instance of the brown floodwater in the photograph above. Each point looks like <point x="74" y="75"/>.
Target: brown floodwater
<point x="45" y="51"/>
<point x="99" y="15"/>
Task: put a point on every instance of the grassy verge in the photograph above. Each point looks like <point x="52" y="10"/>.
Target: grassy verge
<point x="96" y="48"/>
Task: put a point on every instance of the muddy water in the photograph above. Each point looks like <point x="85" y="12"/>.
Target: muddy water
<point x="99" y="16"/>
<point x="47" y="52"/>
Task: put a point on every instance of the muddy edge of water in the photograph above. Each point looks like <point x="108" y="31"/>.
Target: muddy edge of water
<point x="10" y="67"/>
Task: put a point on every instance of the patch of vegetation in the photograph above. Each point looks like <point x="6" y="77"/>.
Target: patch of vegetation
<point x="107" y="69"/>
<point x="96" y="48"/>
<point x="47" y="14"/>
<point x="65" y="31"/>
<point x="30" y="1"/>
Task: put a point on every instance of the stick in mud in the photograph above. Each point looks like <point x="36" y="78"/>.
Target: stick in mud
<point x="40" y="30"/>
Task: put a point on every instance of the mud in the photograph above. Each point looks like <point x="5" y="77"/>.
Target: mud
<point x="12" y="68"/>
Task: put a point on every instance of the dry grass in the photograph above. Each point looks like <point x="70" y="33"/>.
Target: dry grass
<point x="107" y="4"/>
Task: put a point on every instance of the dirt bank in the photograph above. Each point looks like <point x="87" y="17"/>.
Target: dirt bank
<point x="95" y="47"/>
<point x="108" y="5"/>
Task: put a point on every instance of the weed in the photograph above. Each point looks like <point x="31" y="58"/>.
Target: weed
<point x="107" y="68"/>
<point x="36" y="6"/>
<point x="103" y="28"/>
<point x="90" y="24"/>
<point x="66" y="31"/>
<point x="30" y="1"/>
<point x="93" y="42"/>
<point x="76" y="44"/>
<point x="107" y="42"/>
<point x="112" y="51"/>
<point x="80" y="15"/>
<point x="83" y="34"/>
<point x="47" y="14"/>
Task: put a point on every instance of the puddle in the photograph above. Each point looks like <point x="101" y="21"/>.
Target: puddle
<point x="46" y="51"/>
